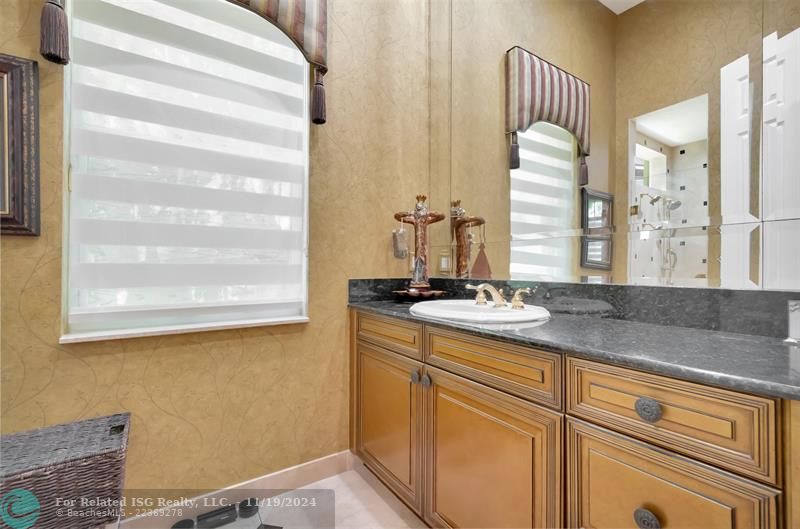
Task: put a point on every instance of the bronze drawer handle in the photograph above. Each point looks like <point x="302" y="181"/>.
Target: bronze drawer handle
<point x="645" y="519"/>
<point x="648" y="409"/>
<point x="415" y="377"/>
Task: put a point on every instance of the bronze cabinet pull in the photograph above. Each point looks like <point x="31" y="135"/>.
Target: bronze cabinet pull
<point x="646" y="519"/>
<point x="426" y="380"/>
<point x="648" y="409"/>
<point x="415" y="376"/>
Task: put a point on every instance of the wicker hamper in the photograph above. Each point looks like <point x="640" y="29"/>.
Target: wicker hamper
<point x="74" y="461"/>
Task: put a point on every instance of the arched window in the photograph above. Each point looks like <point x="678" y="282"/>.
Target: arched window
<point x="187" y="197"/>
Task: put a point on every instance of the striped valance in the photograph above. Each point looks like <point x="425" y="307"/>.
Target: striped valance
<point x="306" y="23"/>
<point x="539" y="91"/>
<point x="303" y="21"/>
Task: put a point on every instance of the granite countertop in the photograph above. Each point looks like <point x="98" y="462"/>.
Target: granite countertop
<point x="753" y="364"/>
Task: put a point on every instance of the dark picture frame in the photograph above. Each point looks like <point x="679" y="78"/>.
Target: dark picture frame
<point x="19" y="146"/>
<point x="597" y="218"/>
<point x="597" y="252"/>
<point x="594" y="219"/>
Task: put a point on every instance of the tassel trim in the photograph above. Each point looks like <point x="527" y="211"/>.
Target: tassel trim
<point x="583" y="175"/>
<point x="318" y="110"/>
<point x="54" y="33"/>
<point x="514" y="153"/>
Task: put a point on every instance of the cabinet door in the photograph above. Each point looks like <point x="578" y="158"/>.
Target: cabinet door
<point x="492" y="460"/>
<point x="616" y="482"/>
<point x="389" y="420"/>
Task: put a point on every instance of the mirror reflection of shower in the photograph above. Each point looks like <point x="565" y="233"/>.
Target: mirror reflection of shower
<point x="668" y="204"/>
<point x="669" y="193"/>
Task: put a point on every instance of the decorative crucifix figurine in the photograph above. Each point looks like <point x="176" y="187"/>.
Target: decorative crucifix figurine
<point x="420" y="217"/>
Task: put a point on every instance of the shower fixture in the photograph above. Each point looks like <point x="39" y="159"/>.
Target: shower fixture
<point x="671" y="204"/>
<point x="653" y="199"/>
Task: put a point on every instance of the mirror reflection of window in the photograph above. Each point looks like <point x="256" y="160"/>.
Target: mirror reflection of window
<point x="543" y="201"/>
<point x="596" y="252"/>
<point x="596" y="214"/>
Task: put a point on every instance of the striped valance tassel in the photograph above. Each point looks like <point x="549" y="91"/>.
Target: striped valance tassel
<point x="318" y="111"/>
<point x="514" y="154"/>
<point x="54" y="33"/>
<point x="583" y="170"/>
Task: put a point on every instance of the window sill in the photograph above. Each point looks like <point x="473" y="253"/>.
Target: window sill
<point x="175" y="329"/>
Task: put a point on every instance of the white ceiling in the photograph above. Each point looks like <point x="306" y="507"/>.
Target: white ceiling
<point x="618" y="6"/>
<point x="679" y="124"/>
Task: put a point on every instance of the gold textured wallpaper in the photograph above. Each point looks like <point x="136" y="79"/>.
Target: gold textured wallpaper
<point x="212" y="409"/>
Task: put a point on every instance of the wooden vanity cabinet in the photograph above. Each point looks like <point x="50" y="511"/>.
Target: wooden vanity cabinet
<point x="388" y="419"/>
<point x="470" y="432"/>
<point x="457" y="452"/>
<point x="491" y="460"/>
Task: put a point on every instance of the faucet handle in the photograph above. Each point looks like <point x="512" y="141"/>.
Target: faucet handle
<point x="480" y="299"/>
<point x="516" y="301"/>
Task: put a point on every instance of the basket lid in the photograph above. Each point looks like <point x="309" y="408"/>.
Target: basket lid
<point x="52" y="445"/>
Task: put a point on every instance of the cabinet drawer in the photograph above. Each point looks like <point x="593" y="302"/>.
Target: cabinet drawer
<point x="615" y="481"/>
<point x="522" y="371"/>
<point x="399" y="336"/>
<point x="725" y="428"/>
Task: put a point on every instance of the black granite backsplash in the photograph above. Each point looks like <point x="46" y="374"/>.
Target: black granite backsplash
<point x="757" y="312"/>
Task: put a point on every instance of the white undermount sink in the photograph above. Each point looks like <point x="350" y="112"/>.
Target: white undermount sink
<point x="466" y="310"/>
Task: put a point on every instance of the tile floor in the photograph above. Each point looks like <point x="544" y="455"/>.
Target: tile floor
<point x="360" y="502"/>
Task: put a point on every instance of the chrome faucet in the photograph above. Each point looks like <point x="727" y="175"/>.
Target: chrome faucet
<point x="482" y="289"/>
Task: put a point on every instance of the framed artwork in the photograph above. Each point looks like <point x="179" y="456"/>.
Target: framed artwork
<point x="597" y="252"/>
<point x="19" y="146"/>
<point x="597" y="217"/>
<point x="597" y="211"/>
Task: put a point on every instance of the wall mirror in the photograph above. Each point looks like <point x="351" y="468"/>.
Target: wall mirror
<point x="695" y="105"/>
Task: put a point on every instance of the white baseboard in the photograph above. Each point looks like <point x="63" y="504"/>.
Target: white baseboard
<point x="287" y="479"/>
